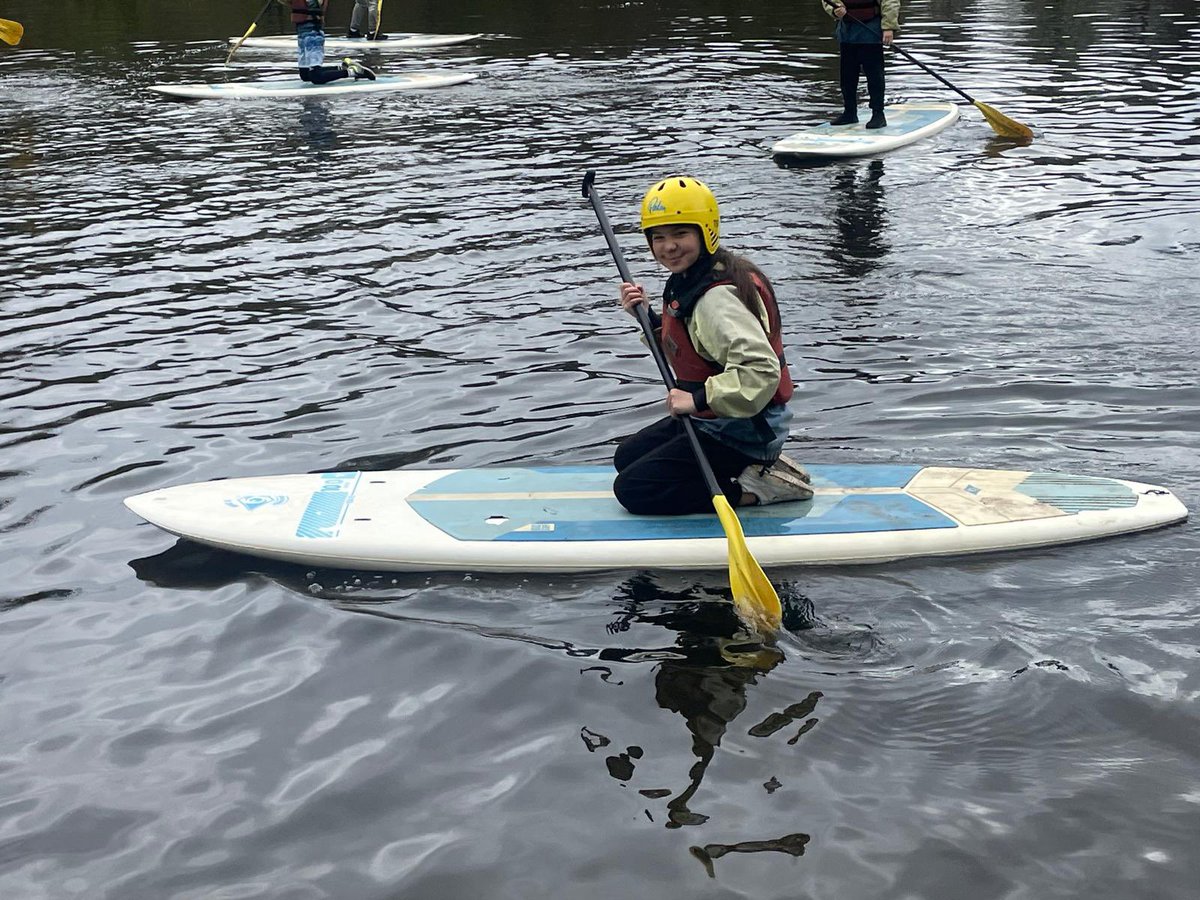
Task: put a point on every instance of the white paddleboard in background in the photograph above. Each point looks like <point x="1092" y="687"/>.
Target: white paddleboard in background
<point x="393" y="41"/>
<point x="294" y="87"/>
<point x="565" y="518"/>
<point x="906" y="124"/>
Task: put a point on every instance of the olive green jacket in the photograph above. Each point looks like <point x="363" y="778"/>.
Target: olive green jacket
<point x="724" y="331"/>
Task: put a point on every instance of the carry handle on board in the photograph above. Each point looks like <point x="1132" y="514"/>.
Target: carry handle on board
<point x="754" y="596"/>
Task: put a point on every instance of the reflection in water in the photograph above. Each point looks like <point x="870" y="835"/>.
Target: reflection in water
<point x="315" y="132"/>
<point x="704" y="677"/>
<point x="186" y="564"/>
<point x="859" y="215"/>
<point x="792" y="844"/>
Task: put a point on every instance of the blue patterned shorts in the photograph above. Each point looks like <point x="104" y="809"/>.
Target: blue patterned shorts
<point x="310" y="45"/>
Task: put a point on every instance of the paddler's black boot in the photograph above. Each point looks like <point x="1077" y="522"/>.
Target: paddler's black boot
<point x="878" y="120"/>
<point x="354" y="33"/>
<point x="849" y="117"/>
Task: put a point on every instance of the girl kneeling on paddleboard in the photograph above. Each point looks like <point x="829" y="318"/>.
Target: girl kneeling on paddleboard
<point x="309" y="18"/>
<point x="720" y="333"/>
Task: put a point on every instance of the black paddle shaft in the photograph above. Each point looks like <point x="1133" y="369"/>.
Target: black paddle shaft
<point x="263" y="11"/>
<point x="912" y="59"/>
<point x="643" y="318"/>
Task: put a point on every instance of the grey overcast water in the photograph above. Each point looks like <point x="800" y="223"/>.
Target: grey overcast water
<point x="208" y="290"/>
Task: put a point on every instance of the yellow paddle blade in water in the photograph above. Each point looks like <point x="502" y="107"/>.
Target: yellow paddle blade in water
<point x="754" y="596"/>
<point x="10" y="31"/>
<point x="1003" y="125"/>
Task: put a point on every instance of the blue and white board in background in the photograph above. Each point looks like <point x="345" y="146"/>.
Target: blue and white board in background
<point x="293" y="87"/>
<point x="565" y="519"/>
<point x="906" y="124"/>
<point x="392" y="41"/>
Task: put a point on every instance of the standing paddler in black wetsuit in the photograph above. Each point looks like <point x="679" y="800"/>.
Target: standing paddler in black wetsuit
<point x="864" y="28"/>
<point x="309" y="18"/>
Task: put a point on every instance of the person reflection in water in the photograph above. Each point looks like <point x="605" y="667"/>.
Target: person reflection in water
<point x="309" y="18"/>
<point x="860" y="217"/>
<point x="705" y="678"/>
<point x="864" y="28"/>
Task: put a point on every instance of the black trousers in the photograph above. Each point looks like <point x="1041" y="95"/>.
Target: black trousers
<point x="868" y="58"/>
<point x="657" y="472"/>
<point x="322" y="74"/>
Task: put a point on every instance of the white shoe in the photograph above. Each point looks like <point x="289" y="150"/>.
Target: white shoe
<point x="777" y="483"/>
<point x="357" y="69"/>
<point x="787" y="464"/>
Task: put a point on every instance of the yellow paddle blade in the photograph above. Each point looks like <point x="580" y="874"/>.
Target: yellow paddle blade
<point x="1003" y="125"/>
<point x="242" y="40"/>
<point x="753" y="595"/>
<point x="11" y="32"/>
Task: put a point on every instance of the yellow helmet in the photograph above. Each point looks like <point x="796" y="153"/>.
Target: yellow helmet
<point x="680" y="200"/>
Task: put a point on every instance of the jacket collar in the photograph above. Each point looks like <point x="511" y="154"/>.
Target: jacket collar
<point x="684" y="289"/>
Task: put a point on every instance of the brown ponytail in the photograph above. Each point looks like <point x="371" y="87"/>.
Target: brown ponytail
<point x="740" y="271"/>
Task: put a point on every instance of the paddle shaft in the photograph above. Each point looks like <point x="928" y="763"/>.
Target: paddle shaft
<point x="643" y="318"/>
<point x="378" y="19"/>
<point x="262" y="12"/>
<point x="922" y="65"/>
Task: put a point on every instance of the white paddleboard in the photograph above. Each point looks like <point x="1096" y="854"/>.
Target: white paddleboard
<point x="393" y="41"/>
<point x="294" y="87"/>
<point x="906" y="124"/>
<point x="565" y="518"/>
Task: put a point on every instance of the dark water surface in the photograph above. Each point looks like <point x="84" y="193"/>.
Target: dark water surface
<point x="195" y="291"/>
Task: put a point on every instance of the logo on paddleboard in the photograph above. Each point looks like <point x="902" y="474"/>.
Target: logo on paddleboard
<point x="252" y="502"/>
<point x="327" y="506"/>
<point x="656" y="205"/>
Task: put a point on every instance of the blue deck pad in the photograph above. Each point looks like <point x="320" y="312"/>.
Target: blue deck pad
<point x="549" y="479"/>
<point x="863" y="475"/>
<point x="549" y="519"/>
<point x="557" y="479"/>
<point x="900" y="120"/>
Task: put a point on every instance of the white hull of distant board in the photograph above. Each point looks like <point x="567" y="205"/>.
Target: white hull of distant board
<point x="394" y="41"/>
<point x="907" y="124"/>
<point x="292" y="88"/>
<point x="565" y="519"/>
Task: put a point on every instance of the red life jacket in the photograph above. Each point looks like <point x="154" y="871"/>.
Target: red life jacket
<point x="692" y="370"/>
<point x="303" y="11"/>
<point x="862" y="10"/>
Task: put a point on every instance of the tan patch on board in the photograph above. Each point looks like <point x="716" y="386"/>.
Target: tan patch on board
<point x="979" y="496"/>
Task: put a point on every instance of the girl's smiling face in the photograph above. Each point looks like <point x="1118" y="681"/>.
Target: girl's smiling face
<point x="677" y="247"/>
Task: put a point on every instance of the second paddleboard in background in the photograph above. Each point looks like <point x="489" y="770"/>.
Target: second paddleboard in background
<point x="907" y="123"/>
<point x="284" y="88"/>
<point x="393" y="41"/>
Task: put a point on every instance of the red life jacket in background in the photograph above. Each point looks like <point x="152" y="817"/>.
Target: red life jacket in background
<point x="303" y="11"/>
<point x="862" y="10"/>
<point x="692" y="370"/>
